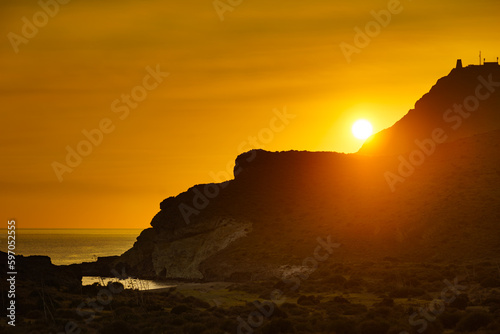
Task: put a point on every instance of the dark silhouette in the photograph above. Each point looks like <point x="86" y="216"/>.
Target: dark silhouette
<point x="456" y="90"/>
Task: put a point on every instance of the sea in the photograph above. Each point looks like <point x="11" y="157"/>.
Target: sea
<point x="68" y="246"/>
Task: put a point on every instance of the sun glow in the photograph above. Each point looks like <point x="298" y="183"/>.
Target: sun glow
<point x="362" y="129"/>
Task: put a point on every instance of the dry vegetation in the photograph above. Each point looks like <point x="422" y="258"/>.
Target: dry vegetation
<point x="339" y="298"/>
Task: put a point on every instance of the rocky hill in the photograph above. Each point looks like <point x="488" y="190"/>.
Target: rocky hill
<point x="435" y="200"/>
<point x="464" y="103"/>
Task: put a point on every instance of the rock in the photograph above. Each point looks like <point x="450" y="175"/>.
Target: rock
<point x="180" y="257"/>
<point x="268" y="220"/>
<point x="41" y="271"/>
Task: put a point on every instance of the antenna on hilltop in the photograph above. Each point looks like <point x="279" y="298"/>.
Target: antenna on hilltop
<point x="479" y="57"/>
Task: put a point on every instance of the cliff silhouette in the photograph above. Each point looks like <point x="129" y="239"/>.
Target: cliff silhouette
<point x="463" y="103"/>
<point x="269" y="218"/>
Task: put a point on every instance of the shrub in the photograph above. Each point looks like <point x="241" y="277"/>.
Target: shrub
<point x="490" y="282"/>
<point x="380" y="312"/>
<point x="278" y="325"/>
<point x="177" y="321"/>
<point x="407" y="292"/>
<point x="450" y="319"/>
<point x="493" y="302"/>
<point x="474" y="321"/>
<point x="460" y="302"/>
<point x="179" y="309"/>
<point x="195" y="302"/>
<point x="337" y="280"/>
<point x="118" y="327"/>
<point x="434" y="327"/>
<point x="374" y="327"/>
<point x="341" y="326"/>
<point x="66" y="314"/>
<point x="294" y="309"/>
<point x="194" y="328"/>
<point x="34" y="314"/>
<point x="341" y="300"/>
<point x="115" y="286"/>
<point x="388" y="302"/>
<point x="307" y="300"/>
<point x="354" y="309"/>
<point x="355" y="283"/>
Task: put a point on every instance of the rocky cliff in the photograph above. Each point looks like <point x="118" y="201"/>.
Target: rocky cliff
<point x="433" y="201"/>
<point x="463" y="103"/>
<point x="179" y="253"/>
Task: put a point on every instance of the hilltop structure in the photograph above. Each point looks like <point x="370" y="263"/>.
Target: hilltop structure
<point x="489" y="63"/>
<point x="484" y="63"/>
<point x="441" y="108"/>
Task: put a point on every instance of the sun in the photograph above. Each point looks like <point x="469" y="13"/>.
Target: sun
<point x="362" y="129"/>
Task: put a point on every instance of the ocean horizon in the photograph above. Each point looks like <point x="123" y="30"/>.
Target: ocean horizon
<point x="67" y="246"/>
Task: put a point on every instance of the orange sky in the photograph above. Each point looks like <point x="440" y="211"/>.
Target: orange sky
<point x="226" y="81"/>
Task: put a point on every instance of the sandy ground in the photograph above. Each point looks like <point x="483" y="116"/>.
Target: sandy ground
<point x="215" y="293"/>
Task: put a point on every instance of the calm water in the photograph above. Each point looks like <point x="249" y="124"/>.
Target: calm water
<point x="67" y="246"/>
<point x="129" y="283"/>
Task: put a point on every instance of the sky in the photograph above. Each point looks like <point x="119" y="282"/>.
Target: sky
<point x="109" y="107"/>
